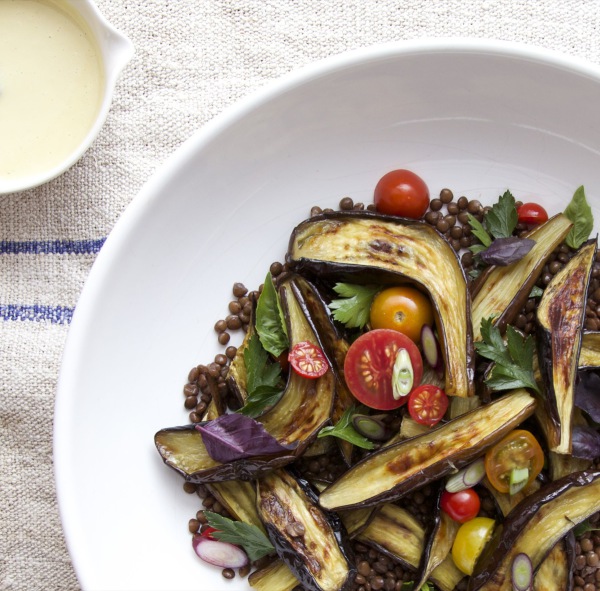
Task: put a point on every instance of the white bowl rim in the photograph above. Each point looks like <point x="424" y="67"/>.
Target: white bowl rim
<point x="124" y="52"/>
<point x="152" y="191"/>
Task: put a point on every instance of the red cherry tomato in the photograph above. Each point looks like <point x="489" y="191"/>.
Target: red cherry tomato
<point x="369" y="364"/>
<point x="308" y="360"/>
<point x="461" y="506"/>
<point x="532" y="214"/>
<point x="427" y="404"/>
<point x="403" y="193"/>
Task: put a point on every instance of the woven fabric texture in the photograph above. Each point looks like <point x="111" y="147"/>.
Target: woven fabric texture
<point x="193" y="59"/>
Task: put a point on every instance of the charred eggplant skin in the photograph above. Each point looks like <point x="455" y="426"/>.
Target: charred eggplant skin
<point x="323" y="563"/>
<point x="560" y="317"/>
<point x="561" y="505"/>
<point x="367" y="247"/>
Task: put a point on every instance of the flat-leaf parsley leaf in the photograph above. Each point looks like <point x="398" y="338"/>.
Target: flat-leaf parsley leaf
<point x="250" y="537"/>
<point x="502" y="219"/>
<point x="353" y="308"/>
<point x="513" y="360"/>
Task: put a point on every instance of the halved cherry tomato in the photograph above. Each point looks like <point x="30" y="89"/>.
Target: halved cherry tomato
<point x="369" y="363"/>
<point x="532" y="214"/>
<point x="401" y="308"/>
<point x="470" y="540"/>
<point x="462" y="505"/>
<point x="427" y="404"/>
<point x="518" y="450"/>
<point x="308" y="360"/>
<point x="403" y="193"/>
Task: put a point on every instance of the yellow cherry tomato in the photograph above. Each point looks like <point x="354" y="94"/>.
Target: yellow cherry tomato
<point x="402" y="308"/>
<point x="470" y="540"/>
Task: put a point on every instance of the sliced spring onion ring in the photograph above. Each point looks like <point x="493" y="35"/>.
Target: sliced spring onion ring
<point x="467" y="477"/>
<point x="521" y="573"/>
<point x="402" y="375"/>
<point x="518" y="479"/>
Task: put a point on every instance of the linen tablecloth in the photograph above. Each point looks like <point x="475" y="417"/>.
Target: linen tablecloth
<point x="193" y="59"/>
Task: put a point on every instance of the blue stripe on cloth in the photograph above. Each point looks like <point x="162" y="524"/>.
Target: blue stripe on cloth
<point x="51" y="246"/>
<point x="53" y="314"/>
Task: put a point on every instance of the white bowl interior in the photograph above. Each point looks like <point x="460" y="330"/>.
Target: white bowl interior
<point x="477" y="118"/>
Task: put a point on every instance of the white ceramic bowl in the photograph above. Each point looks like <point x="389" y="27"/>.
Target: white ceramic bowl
<point x="478" y="117"/>
<point x="115" y="51"/>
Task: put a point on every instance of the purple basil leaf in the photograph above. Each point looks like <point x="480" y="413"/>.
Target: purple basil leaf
<point x="587" y="394"/>
<point x="504" y="251"/>
<point x="234" y="436"/>
<point x="585" y="442"/>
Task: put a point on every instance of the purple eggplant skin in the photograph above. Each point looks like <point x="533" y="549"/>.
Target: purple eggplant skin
<point x="245" y="469"/>
<point x="296" y="553"/>
<point x="490" y="569"/>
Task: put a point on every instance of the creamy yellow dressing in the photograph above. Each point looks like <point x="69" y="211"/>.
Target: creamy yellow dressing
<point x="51" y="85"/>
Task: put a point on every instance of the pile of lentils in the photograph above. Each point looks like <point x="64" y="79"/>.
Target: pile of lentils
<point x="375" y="570"/>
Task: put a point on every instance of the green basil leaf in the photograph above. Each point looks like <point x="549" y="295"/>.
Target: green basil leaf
<point x="270" y="323"/>
<point x="264" y="382"/>
<point x="580" y="213"/>
<point x="343" y="429"/>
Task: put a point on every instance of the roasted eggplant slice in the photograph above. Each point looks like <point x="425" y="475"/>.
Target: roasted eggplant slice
<point x="306" y="404"/>
<point x="534" y="526"/>
<point x="555" y="571"/>
<point x="438" y="543"/>
<point x="294" y="421"/>
<point x="589" y="355"/>
<point x="503" y="291"/>
<point x="237" y="375"/>
<point x="364" y="247"/>
<point x="394" y="470"/>
<point x="183" y="450"/>
<point x="335" y="347"/>
<point x="274" y="577"/>
<point x="239" y="498"/>
<point x="396" y="533"/>
<point x="312" y="543"/>
<point x="560" y="318"/>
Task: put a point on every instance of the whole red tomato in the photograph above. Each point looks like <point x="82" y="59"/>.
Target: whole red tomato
<point x="462" y="506"/>
<point x="402" y="193"/>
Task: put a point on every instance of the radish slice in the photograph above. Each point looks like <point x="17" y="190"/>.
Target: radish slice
<point x="467" y="477"/>
<point x="521" y="573"/>
<point x="431" y="348"/>
<point x="221" y="554"/>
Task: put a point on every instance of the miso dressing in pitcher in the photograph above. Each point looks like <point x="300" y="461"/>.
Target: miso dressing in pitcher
<point x="51" y="83"/>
